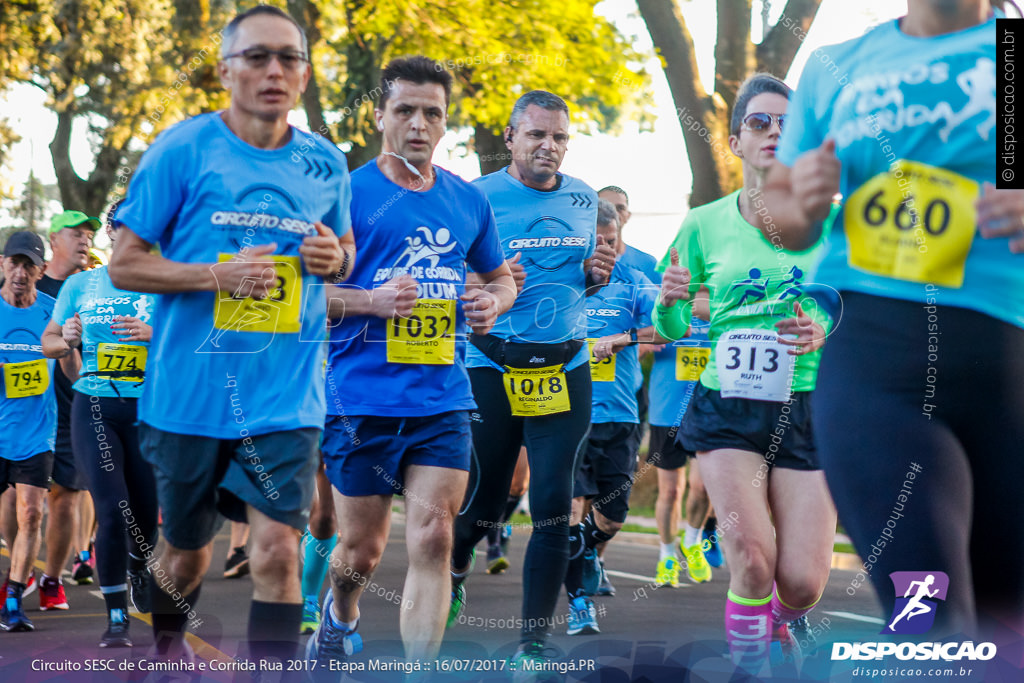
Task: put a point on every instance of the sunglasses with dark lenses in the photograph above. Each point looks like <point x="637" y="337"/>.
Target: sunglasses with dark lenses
<point x="760" y="121"/>
<point x="259" y="57"/>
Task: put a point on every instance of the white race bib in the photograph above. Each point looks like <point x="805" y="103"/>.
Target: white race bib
<point x="753" y="364"/>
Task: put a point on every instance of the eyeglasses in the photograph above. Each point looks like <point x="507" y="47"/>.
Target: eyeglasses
<point x="259" y="57"/>
<point x="761" y="121"/>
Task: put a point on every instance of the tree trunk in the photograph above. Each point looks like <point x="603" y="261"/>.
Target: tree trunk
<point x="777" y="50"/>
<point x="733" y="53"/>
<point x="491" y="150"/>
<point x="699" y="115"/>
<point x="308" y="16"/>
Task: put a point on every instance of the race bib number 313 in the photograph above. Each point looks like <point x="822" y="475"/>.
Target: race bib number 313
<point x="426" y="337"/>
<point x="536" y="391"/>
<point x="29" y="378"/>
<point x="753" y="364"/>
<point x="280" y="312"/>
<point x="913" y="222"/>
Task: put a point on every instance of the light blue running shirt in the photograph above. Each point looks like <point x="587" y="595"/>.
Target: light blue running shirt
<point x="28" y="422"/>
<point x="430" y="236"/>
<point x="203" y="194"/>
<point x="626" y="302"/>
<point x="914" y="125"/>
<point x="642" y="261"/>
<point x="97" y="301"/>
<point x="670" y="397"/>
<point x="555" y="231"/>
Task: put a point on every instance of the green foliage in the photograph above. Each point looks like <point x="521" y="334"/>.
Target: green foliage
<point x="495" y="51"/>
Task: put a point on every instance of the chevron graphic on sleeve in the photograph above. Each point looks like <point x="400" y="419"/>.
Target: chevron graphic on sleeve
<point x="320" y="168"/>
<point x="581" y="200"/>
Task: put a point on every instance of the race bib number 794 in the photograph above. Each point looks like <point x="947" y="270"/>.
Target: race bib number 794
<point x="29" y="378"/>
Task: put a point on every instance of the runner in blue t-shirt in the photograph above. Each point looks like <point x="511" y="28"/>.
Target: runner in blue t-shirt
<point x="100" y="334"/>
<point x="618" y="318"/>
<point x="247" y="212"/>
<point x="924" y="257"/>
<point x="628" y="254"/>
<point x="674" y="375"/>
<point x="28" y="412"/>
<point x="530" y="375"/>
<point x="400" y="340"/>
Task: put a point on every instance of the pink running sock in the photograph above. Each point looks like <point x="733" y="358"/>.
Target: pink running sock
<point x="748" y="631"/>
<point x="783" y="613"/>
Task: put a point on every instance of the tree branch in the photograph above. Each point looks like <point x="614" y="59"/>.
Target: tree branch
<point x="778" y="49"/>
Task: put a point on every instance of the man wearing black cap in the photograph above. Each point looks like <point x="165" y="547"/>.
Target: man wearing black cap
<point x="71" y="234"/>
<point x="27" y="411"/>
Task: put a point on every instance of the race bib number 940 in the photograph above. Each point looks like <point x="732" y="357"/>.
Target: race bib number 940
<point x="279" y="312"/>
<point x="913" y="222"/>
<point x="753" y="364"/>
<point x="601" y="370"/>
<point x="690" y="362"/>
<point x="536" y="391"/>
<point x="426" y="337"/>
<point x="29" y="378"/>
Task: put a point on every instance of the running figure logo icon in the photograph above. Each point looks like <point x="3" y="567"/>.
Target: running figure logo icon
<point x="917" y="596"/>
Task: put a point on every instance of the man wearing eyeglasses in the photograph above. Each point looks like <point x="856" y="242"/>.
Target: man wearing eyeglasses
<point x="251" y="216"/>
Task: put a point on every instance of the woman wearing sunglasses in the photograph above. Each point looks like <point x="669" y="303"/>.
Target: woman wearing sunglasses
<point x="920" y="405"/>
<point x="749" y="420"/>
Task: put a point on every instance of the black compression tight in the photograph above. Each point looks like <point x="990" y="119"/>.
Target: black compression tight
<point x="553" y="444"/>
<point x="919" y="421"/>
<point x="106" y="447"/>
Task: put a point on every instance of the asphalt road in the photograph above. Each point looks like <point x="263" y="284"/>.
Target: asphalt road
<point x="647" y="633"/>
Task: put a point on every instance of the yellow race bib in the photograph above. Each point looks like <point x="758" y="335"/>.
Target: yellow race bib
<point x="279" y="312"/>
<point x="28" y="378"/>
<point x="601" y="370"/>
<point x="536" y="391"/>
<point x="121" y="358"/>
<point x="690" y="362"/>
<point x="426" y="337"/>
<point x="913" y="222"/>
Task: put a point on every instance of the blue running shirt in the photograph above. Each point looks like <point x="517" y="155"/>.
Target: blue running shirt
<point x="203" y="194"/>
<point x="914" y="125"/>
<point x="555" y="231"/>
<point x="28" y="409"/>
<point x="430" y="236"/>
<point x="670" y="397"/>
<point x="97" y="301"/>
<point x="626" y="302"/>
<point x="642" y="261"/>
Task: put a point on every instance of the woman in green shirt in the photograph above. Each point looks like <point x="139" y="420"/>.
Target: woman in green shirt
<point x="749" y="419"/>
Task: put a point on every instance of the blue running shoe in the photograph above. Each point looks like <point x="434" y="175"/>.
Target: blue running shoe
<point x="330" y="643"/>
<point x="712" y="550"/>
<point x="582" y="617"/>
<point x="12" y="616"/>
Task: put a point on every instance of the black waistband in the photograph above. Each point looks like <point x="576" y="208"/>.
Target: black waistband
<point x="525" y="355"/>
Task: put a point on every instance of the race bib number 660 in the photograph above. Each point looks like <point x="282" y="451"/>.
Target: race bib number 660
<point x="753" y="364"/>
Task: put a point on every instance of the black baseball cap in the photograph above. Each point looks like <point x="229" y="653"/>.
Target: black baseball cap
<point x="27" y="243"/>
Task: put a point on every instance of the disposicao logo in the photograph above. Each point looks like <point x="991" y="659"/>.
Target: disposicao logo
<point x="918" y="596"/>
